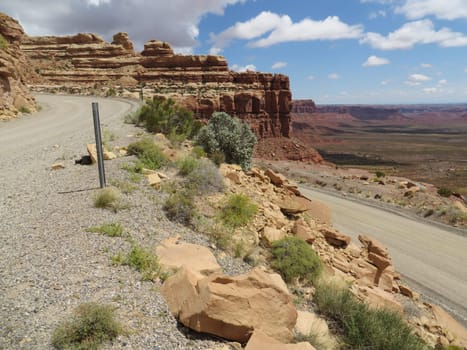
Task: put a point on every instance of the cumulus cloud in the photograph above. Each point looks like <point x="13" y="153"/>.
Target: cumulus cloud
<point x="414" y="33"/>
<point x="269" y="28"/>
<point x="417" y="79"/>
<point x="442" y="9"/>
<point x="279" y="65"/>
<point x="175" y="21"/>
<point x="241" y="69"/>
<point x="374" y="61"/>
<point x="334" y="76"/>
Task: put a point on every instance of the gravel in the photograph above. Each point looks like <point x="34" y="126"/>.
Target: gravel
<point x="50" y="264"/>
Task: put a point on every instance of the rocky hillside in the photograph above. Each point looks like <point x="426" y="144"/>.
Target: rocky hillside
<point x="14" y="95"/>
<point x="85" y="63"/>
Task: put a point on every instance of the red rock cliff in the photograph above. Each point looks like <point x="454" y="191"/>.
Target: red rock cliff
<point x="14" y="95"/>
<point x="85" y="63"/>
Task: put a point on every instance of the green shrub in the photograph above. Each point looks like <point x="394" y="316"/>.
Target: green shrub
<point x="3" y="43"/>
<point x="230" y="136"/>
<point x="143" y="261"/>
<point x="132" y="118"/>
<point x="162" y="115"/>
<point x="187" y="165"/>
<point x="107" y="198"/>
<point x="238" y="211"/>
<point x="444" y="192"/>
<point x="180" y="207"/>
<point x="111" y="92"/>
<point x="149" y="154"/>
<point x="91" y="325"/>
<point x="362" y="327"/>
<point x="112" y="229"/>
<point x="293" y="258"/>
<point x="25" y="110"/>
<point x="198" y="152"/>
<point x="380" y="174"/>
<point x="205" y="178"/>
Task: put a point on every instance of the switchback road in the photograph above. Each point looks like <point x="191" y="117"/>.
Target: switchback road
<point x="431" y="259"/>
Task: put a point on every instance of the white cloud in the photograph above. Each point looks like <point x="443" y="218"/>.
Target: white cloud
<point x="442" y="9"/>
<point x="175" y="21"/>
<point x="415" y="33"/>
<point x="442" y="82"/>
<point x="380" y="13"/>
<point x="312" y="77"/>
<point x="412" y="83"/>
<point x="334" y="76"/>
<point x="269" y="28"/>
<point x="385" y="82"/>
<point x="418" y="77"/>
<point x="431" y="90"/>
<point x="373" y="61"/>
<point x="426" y="65"/>
<point x="247" y="68"/>
<point x="279" y="65"/>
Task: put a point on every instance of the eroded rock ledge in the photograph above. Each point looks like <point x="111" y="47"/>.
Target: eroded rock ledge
<point x="85" y="63"/>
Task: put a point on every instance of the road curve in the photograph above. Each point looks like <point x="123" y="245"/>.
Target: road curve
<point x="432" y="259"/>
<point x="61" y="117"/>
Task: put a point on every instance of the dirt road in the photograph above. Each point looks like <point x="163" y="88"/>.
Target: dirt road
<point x="431" y="259"/>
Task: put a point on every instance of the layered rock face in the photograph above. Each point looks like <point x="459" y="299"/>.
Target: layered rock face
<point x="14" y="95"/>
<point x="85" y="63"/>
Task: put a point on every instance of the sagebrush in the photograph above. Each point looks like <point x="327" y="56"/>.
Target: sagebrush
<point x="229" y="136"/>
<point x="149" y="154"/>
<point x="238" y="211"/>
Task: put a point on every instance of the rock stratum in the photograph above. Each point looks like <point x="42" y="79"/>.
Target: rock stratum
<point x="85" y="63"/>
<point x="14" y="94"/>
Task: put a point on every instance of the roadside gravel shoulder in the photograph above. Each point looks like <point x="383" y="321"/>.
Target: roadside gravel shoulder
<point x="49" y="263"/>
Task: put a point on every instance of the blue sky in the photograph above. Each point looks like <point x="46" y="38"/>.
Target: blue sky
<point x="334" y="51"/>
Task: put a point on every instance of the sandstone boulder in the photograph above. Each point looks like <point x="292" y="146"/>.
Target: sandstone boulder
<point x="310" y="323"/>
<point x="232" y="307"/>
<point x="378" y="298"/>
<point x="276" y="178"/>
<point x="154" y="180"/>
<point x="373" y="246"/>
<point x="271" y="234"/>
<point x="174" y="254"/>
<point x="335" y="238"/>
<point x="303" y="231"/>
<point x="448" y="323"/>
<point x="260" y="341"/>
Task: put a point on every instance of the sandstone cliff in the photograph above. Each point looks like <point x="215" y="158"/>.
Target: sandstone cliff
<point x="14" y="95"/>
<point x="85" y="63"/>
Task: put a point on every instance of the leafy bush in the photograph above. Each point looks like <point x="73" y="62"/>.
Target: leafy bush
<point x="444" y="192"/>
<point x="91" y="325"/>
<point x="149" y="154"/>
<point x="144" y="261"/>
<point x="230" y="136"/>
<point x="132" y="117"/>
<point x="362" y="327"/>
<point x="205" y="178"/>
<point x="198" y="152"/>
<point x="293" y="258"/>
<point x="180" y="207"/>
<point x="3" y="43"/>
<point x="238" y="211"/>
<point x="162" y="115"/>
<point x="107" y="198"/>
<point x="112" y="229"/>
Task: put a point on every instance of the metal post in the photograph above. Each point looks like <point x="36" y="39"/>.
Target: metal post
<point x="97" y="132"/>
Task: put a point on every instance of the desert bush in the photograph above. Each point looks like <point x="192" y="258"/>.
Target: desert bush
<point x="238" y="210"/>
<point x="111" y="92"/>
<point x="25" y="110"/>
<point x="149" y="154"/>
<point x="91" y="325"/>
<point x="3" y="43"/>
<point x="444" y="192"/>
<point x="110" y="229"/>
<point x="107" y="198"/>
<point x="380" y="174"/>
<point x="293" y="258"/>
<point x="162" y="115"/>
<point x="187" y="164"/>
<point x="143" y="261"/>
<point x="180" y="206"/>
<point x="229" y="136"/>
<point x="132" y="117"/>
<point x="362" y="327"/>
<point x="198" y="152"/>
<point x="205" y="178"/>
